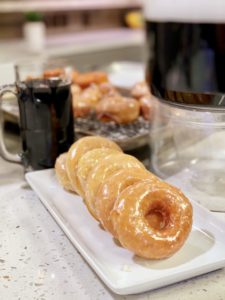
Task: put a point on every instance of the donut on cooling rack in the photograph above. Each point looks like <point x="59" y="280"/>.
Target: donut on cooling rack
<point x="119" y="109"/>
<point x="75" y="90"/>
<point x="140" y="89"/>
<point x="107" y="89"/>
<point x="53" y="73"/>
<point x="86" y="79"/>
<point x="84" y="102"/>
<point x="146" y="104"/>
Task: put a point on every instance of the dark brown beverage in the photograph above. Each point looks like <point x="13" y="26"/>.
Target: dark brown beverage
<point x="46" y="121"/>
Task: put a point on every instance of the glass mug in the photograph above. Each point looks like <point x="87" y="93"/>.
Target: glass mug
<point x="45" y="114"/>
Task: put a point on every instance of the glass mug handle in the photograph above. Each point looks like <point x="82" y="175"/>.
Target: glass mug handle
<point x="3" y="150"/>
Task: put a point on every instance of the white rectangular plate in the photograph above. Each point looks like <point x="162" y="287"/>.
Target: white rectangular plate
<point x="121" y="271"/>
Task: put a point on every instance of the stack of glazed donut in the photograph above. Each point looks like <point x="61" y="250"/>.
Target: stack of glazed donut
<point x="148" y="216"/>
<point x="93" y="93"/>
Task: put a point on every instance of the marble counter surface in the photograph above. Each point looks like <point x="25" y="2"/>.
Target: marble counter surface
<point x="37" y="261"/>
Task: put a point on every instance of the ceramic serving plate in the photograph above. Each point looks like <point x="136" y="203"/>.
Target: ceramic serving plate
<point x="122" y="271"/>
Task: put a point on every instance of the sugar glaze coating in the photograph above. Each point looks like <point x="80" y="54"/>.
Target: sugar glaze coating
<point x="152" y="219"/>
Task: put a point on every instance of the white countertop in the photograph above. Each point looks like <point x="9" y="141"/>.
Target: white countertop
<point x="37" y="261"/>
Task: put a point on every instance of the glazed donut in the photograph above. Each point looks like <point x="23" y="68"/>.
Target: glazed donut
<point x="152" y="219"/>
<point x="103" y="170"/>
<point x="81" y="108"/>
<point x="77" y="150"/>
<point x="146" y="107"/>
<point x="85" y="102"/>
<point x="85" y="79"/>
<point x="89" y="160"/>
<point x="111" y="189"/>
<point x="92" y="94"/>
<point x="53" y="73"/>
<point x="75" y="90"/>
<point x="74" y="76"/>
<point x="107" y="89"/>
<point x="61" y="173"/>
<point x="140" y="89"/>
<point x="119" y="109"/>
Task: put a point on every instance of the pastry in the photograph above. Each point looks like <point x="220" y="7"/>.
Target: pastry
<point x="140" y="89"/>
<point x="85" y="101"/>
<point x="111" y="189"/>
<point x="61" y="173"/>
<point x="86" y="79"/>
<point x="147" y="215"/>
<point x="89" y="160"/>
<point x="119" y="109"/>
<point x="146" y="107"/>
<point x="152" y="219"/>
<point x="77" y="150"/>
<point x="103" y="170"/>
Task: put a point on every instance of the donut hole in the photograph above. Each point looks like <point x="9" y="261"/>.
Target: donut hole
<point x="157" y="218"/>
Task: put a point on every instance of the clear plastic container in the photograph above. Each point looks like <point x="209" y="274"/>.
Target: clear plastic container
<point x="188" y="149"/>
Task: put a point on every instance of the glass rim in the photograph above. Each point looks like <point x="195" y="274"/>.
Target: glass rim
<point x="193" y="107"/>
<point x="42" y="61"/>
<point x="190" y="106"/>
<point x="37" y="69"/>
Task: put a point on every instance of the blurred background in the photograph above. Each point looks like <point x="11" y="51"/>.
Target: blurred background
<point x="88" y="33"/>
